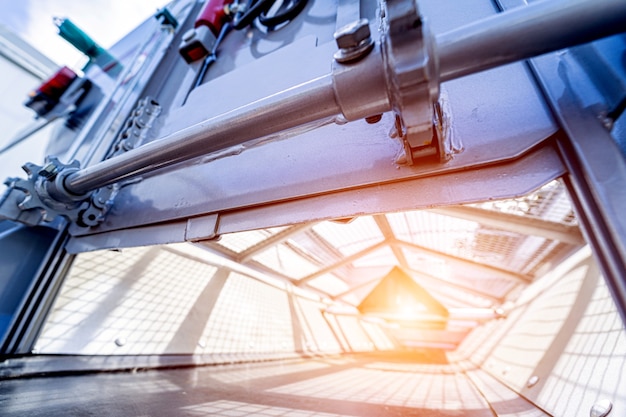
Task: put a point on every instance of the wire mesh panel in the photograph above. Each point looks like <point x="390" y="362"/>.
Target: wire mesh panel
<point x="172" y="300"/>
<point x="249" y="316"/>
<point x="129" y="302"/>
<point x="592" y="365"/>
<point x="565" y="347"/>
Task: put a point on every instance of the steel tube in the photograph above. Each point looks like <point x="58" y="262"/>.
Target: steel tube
<point x="305" y="103"/>
<point x="503" y="38"/>
<point x="525" y="32"/>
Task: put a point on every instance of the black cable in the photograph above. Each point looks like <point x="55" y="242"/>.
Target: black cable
<point x="259" y="8"/>
<point x="289" y="13"/>
<point x="254" y="9"/>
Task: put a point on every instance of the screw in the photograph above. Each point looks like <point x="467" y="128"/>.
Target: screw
<point x="532" y="381"/>
<point x="601" y="408"/>
<point x="189" y="35"/>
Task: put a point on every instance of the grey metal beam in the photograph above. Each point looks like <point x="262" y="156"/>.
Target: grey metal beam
<point x="229" y="255"/>
<point x="275" y="239"/>
<point x="253" y="266"/>
<point x="516" y="224"/>
<point x="444" y="298"/>
<point x="385" y="228"/>
<point x="444" y="282"/>
<point x="468" y="263"/>
<point x="438" y="280"/>
<point x="440" y="295"/>
<point x="344" y="261"/>
<point x="355" y="288"/>
<point x="308" y="102"/>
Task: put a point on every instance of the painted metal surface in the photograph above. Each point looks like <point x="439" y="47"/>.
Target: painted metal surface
<point x="402" y="75"/>
<point x="487" y="374"/>
<point x="412" y="82"/>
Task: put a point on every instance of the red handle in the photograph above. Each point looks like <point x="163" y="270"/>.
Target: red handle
<point x="213" y="15"/>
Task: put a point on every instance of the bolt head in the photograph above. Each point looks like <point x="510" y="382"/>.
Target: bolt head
<point x="351" y="35"/>
<point x="601" y="408"/>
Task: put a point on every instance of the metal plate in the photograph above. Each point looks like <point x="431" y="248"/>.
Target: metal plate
<point x="495" y="116"/>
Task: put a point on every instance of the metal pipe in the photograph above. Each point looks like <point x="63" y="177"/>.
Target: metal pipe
<point x="525" y="32"/>
<point x="503" y="38"/>
<point x="305" y="103"/>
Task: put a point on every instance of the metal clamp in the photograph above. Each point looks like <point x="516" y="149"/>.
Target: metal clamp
<point x="411" y="67"/>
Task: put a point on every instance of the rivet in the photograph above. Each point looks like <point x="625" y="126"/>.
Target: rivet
<point x="601" y="408"/>
<point x="532" y="381"/>
<point x="120" y="341"/>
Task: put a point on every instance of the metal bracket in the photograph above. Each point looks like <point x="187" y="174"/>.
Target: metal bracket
<point x="197" y="43"/>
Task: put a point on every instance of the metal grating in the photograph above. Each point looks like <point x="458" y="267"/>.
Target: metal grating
<point x="550" y="203"/>
<point x="464" y="239"/>
<point x="128" y="302"/>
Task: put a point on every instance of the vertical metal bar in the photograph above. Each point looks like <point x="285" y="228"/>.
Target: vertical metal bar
<point x="596" y="175"/>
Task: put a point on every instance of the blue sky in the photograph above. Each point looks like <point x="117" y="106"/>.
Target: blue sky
<point x="106" y="21"/>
